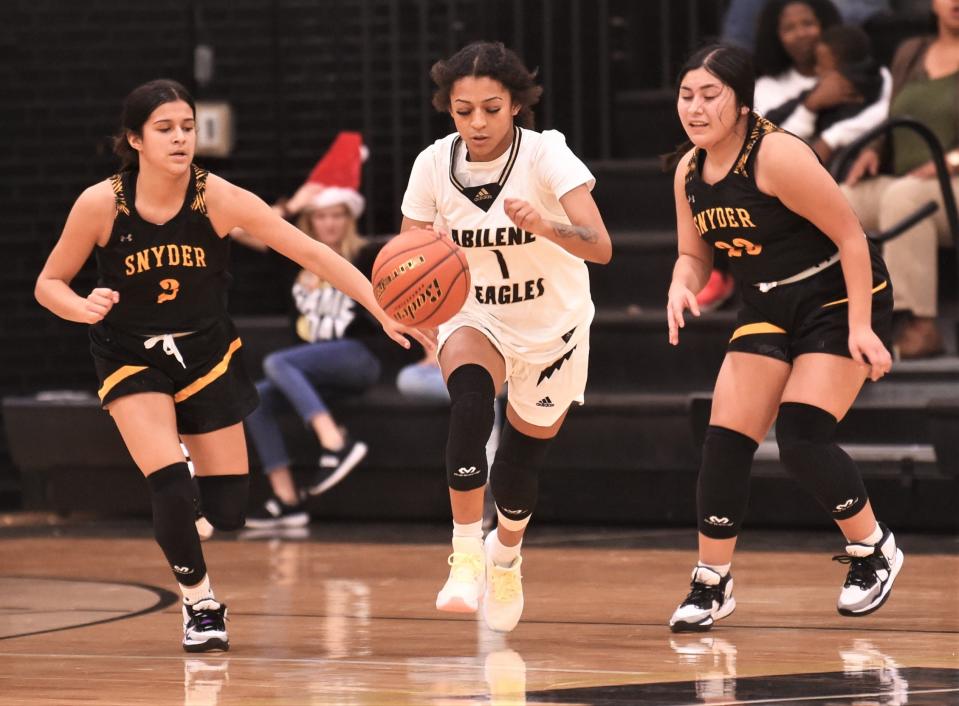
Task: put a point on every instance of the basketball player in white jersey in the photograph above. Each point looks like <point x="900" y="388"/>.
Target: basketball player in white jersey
<point x="518" y="203"/>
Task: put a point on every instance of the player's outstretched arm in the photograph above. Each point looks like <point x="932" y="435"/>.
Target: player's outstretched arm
<point x="89" y="223"/>
<point x="787" y="169"/>
<point x="694" y="260"/>
<point x="230" y="207"/>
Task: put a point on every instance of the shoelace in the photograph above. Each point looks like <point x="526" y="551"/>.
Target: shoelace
<point x="862" y="569"/>
<point x="506" y="584"/>
<point x="208" y="619"/>
<point x="702" y="595"/>
<point x="465" y="566"/>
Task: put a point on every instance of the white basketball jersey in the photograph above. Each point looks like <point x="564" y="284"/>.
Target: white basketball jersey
<point x="534" y="293"/>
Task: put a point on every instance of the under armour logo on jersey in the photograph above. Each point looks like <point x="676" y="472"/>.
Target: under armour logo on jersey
<point x="845" y="505"/>
<point x="182" y="569"/>
<point x="718" y="521"/>
<point x="464" y="472"/>
<point x="549" y="370"/>
<point x="128" y="238"/>
<point x="545" y="402"/>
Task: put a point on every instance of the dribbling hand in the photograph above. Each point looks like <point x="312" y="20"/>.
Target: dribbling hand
<point x="866" y="348"/>
<point x="98" y="304"/>
<point x="679" y="299"/>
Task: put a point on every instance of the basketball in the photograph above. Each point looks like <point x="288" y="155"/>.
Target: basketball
<point x="421" y="278"/>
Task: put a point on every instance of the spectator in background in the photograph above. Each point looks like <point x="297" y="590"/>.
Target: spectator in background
<point x="333" y="358"/>
<point x="789" y="33"/>
<point x="844" y="50"/>
<point x="926" y="87"/>
<point x="739" y="22"/>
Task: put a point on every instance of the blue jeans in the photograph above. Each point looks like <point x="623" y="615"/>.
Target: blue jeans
<point x="296" y="377"/>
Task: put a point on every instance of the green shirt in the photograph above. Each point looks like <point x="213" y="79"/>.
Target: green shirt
<point x="931" y="101"/>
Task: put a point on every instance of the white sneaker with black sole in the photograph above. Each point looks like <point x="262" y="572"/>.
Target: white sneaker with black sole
<point x="204" y="627"/>
<point x="872" y="571"/>
<point x="276" y="513"/>
<point x="335" y="466"/>
<point x="710" y="599"/>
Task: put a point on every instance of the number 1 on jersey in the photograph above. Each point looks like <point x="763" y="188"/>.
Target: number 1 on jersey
<point x="502" y="263"/>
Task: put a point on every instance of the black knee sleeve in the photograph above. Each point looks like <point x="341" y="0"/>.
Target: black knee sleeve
<point x="471" y="420"/>
<point x="223" y="499"/>
<point x="722" y="491"/>
<point x="514" y="479"/>
<point x="807" y="450"/>
<point x="174" y="517"/>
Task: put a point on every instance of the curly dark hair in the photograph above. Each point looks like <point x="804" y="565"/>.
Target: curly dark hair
<point x="492" y="60"/>
<point x="770" y="56"/>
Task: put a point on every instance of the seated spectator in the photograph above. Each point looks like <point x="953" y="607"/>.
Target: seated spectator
<point x="926" y="87"/>
<point x="333" y="359"/>
<point x="790" y="93"/>
<point x="846" y="50"/>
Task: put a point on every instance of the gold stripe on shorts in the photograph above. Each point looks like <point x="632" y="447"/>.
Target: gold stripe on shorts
<point x="118" y="376"/>
<point x="218" y="370"/>
<point x="877" y="288"/>
<point x="752" y="329"/>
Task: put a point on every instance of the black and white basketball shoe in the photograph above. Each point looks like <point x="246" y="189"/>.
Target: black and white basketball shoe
<point x="710" y="599"/>
<point x="204" y="626"/>
<point x="872" y="571"/>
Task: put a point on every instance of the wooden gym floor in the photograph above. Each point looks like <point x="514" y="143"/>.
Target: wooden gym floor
<point x="344" y="615"/>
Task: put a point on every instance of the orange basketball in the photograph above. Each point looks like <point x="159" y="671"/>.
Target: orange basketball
<point x="421" y="278"/>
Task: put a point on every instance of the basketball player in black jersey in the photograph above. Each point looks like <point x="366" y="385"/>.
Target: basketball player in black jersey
<point x="166" y="353"/>
<point x="814" y="325"/>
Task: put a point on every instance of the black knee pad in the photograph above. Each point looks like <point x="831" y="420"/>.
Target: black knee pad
<point x="471" y="420"/>
<point x="807" y="450"/>
<point x="514" y="479"/>
<point x="174" y="516"/>
<point x="722" y="490"/>
<point x="223" y="499"/>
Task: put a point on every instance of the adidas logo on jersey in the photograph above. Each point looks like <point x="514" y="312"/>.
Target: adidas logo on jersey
<point x="718" y="521"/>
<point x="482" y="195"/>
<point x="545" y="402"/>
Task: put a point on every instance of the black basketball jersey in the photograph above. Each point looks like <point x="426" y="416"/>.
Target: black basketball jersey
<point x="763" y="239"/>
<point x="171" y="277"/>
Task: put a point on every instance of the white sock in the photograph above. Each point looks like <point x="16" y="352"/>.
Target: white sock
<point x="873" y="538"/>
<point x="473" y="530"/>
<point x="721" y="569"/>
<point x="502" y="555"/>
<point x="201" y="592"/>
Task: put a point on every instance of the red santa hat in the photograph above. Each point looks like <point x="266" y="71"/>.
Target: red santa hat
<point x="340" y="166"/>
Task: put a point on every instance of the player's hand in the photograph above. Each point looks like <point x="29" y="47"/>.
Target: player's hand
<point x="866" y="348"/>
<point x="678" y="300"/>
<point x="399" y="332"/>
<point x="98" y="304"/>
<point x="865" y="165"/>
<point x="525" y="216"/>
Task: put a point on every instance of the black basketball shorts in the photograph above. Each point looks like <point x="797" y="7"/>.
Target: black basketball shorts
<point x="202" y="371"/>
<point x="809" y="316"/>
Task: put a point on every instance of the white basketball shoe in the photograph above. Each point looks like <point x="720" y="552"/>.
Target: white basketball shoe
<point x="462" y="590"/>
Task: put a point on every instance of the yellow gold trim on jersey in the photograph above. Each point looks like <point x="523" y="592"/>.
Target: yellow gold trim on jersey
<point x="217" y="371"/>
<point x="753" y="329"/>
<point x="116" y="181"/>
<point x="199" y="201"/>
<point x="878" y="288"/>
<point x="116" y="377"/>
<point x="692" y="166"/>
<point x="760" y="127"/>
